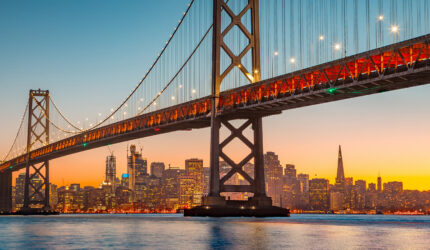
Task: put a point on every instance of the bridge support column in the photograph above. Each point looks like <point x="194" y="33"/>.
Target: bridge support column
<point x="36" y="189"/>
<point x="257" y="205"/>
<point x="6" y="192"/>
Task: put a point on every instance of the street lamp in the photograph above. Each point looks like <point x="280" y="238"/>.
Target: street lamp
<point x="273" y="60"/>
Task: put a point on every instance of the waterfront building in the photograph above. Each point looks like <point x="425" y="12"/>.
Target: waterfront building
<point x="336" y="201"/>
<point x="194" y="168"/>
<point x="187" y="185"/>
<point x="319" y="194"/>
<point x="170" y="187"/>
<point x="273" y="176"/>
<point x="359" y="194"/>
<point x="19" y="191"/>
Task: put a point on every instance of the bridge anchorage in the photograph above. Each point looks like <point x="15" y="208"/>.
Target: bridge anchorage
<point x="215" y="204"/>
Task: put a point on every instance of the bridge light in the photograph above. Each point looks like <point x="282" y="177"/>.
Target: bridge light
<point x="275" y="53"/>
<point x="155" y="103"/>
<point x="331" y="90"/>
<point x="173" y="98"/>
<point x="193" y="91"/>
<point x="111" y="110"/>
<point x="250" y="77"/>
<point x="141" y="99"/>
<point x="337" y="46"/>
<point x="100" y="114"/>
<point x="126" y="105"/>
<point x="86" y="119"/>
<point x="180" y="86"/>
<point x="321" y="37"/>
<point x="125" y="113"/>
<point x="292" y="60"/>
<point x="138" y="108"/>
<point x="256" y="71"/>
<point x="394" y="29"/>
<point x="380" y="17"/>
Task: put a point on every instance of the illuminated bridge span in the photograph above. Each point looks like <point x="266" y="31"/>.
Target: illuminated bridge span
<point x="209" y="89"/>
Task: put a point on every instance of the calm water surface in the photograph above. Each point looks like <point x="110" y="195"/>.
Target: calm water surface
<point x="177" y="232"/>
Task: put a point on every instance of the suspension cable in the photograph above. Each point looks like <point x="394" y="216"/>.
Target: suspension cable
<point x="177" y="73"/>
<point x="140" y="82"/>
<point x="61" y="114"/>
<point x="17" y="134"/>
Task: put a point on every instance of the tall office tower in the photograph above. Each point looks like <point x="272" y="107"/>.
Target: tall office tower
<point x="53" y="195"/>
<point x="340" y="177"/>
<point x="194" y="168"/>
<point x="273" y="174"/>
<point x="157" y="169"/>
<point x="187" y="185"/>
<point x="379" y="184"/>
<point x="136" y="166"/>
<point x="110" y="174"/>
<point x="19" y="191"/>
<point x="303" y="202"/>
<point x="319" y="194"/>
<point x="170" y="187"/>
<point x="290" y="188"/>
<point x="206" y="177"/>
<point x="304" y="182"/>
<point x="359" y="194"/>
<point x="290" y="170"/>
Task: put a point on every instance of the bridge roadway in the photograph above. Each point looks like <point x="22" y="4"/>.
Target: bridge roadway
<point x="396" y="66"/>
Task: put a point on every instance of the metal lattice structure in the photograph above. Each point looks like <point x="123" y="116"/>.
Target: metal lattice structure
<point x="36" y="189"/>
<point x="256" y="184"/>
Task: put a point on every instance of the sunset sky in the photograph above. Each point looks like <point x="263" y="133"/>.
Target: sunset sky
<point x="90" y="54"/>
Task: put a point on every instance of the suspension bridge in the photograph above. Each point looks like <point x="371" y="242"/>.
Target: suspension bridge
<point x="236" y="60"/>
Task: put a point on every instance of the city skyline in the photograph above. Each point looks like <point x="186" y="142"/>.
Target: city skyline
<point x="165" y="190"/>
<point x="120" y="171"/>
<point x="384" y="133"/>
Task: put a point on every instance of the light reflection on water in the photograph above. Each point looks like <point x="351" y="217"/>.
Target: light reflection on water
<point x="177" y="232"/>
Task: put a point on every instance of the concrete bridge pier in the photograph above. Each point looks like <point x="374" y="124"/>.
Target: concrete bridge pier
<point x="6" y="192"/>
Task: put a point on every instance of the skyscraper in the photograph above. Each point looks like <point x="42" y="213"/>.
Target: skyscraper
<point x="273" y="174"/>
<point x="340" y="177"/>
<point x="110" y="174"/>
<point x="157" y="169"/>
<point x="19" y="191"/>
<point x="379" y="184"/>
<point x="136" y="166"/>
<point x="319" y="194"/>
<point x="170" y="187"/>
<point x="194" y="168"/>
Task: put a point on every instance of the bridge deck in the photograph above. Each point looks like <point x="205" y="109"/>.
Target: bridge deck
<point x="397" y="66"/>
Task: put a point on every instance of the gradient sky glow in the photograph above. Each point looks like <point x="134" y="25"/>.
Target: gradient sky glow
<point x="90" y="54"/>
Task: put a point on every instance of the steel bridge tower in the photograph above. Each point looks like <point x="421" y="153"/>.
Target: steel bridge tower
<point x="215" y="204"/>
<point x="36" y="189"/>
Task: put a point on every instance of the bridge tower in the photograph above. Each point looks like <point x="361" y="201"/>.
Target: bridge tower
<point x="36" y="189"/>
<point x="215" y="204"/>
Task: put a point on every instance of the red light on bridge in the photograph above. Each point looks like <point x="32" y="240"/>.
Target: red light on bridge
<point x="156" y="129"/>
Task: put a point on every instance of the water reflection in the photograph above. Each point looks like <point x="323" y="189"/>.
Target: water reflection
<point x="177" y="232"/>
